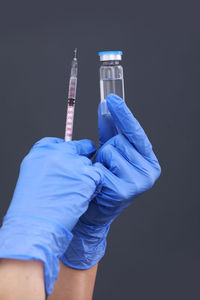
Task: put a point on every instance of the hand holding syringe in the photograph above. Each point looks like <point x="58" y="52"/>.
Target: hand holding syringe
<point x="71" y="99"/>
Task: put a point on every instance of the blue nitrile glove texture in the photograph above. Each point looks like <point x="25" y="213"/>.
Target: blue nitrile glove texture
<point x="130" y="168"/>
<point x="56" y="182"/>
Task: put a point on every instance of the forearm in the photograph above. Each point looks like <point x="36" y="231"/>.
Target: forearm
<point x="21" y="280"/>
<point x="74" y="284"/>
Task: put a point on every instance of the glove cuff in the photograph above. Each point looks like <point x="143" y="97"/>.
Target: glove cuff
<point x="37" y="239"/>
<point x="87" y="246"/>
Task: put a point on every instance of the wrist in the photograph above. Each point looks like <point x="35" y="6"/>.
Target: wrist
<point x="24" y="278"/>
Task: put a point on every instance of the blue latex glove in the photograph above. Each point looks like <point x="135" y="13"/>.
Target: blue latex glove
<point x="131" y="168"/>
<point x="56" y="182"/>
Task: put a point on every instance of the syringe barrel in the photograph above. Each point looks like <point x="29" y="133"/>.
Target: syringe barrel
<point x="111" y="77"/>
<point x="73" y="80"/>
<point x="72" y="88"/>
<point x="71" y="99"/>
<point x="74" y="68"/>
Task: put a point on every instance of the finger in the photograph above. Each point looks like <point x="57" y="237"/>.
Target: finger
<point x="111" y="193"/>
<point x="111" y="158"/>
<point x="129" y="151"/>
<point x="128" y="124"/>
<point x="82" y="147"/>
<point x="95" y="173"/>
<point x="109" y="183"/>
<point x="48" y="140"/>
<point x="106" y="126"/>
<point x="139" y="172"/>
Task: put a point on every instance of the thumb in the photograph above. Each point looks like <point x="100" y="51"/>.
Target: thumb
<point x="84" y="147"/>
<point x="106" y="126"/>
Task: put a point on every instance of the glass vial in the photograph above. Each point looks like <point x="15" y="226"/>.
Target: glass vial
<point x="111" y="77"/>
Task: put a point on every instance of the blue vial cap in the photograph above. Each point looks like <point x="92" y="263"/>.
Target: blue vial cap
<point x="110" y="53"/>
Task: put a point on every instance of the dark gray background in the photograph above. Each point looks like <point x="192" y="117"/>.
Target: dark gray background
<point x="154" y="247"/>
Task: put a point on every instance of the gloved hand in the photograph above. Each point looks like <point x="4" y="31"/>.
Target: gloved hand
<point x="131" y="168"/>
<point x="56" y="183"/>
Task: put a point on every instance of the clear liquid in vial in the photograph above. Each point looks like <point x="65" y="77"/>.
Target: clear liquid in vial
<point x="110" y="86"/>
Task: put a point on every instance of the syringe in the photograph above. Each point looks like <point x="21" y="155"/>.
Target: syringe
<point x="71" y="99"/>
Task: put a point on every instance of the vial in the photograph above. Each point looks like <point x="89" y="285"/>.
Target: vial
<point x="111" y="77"/>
